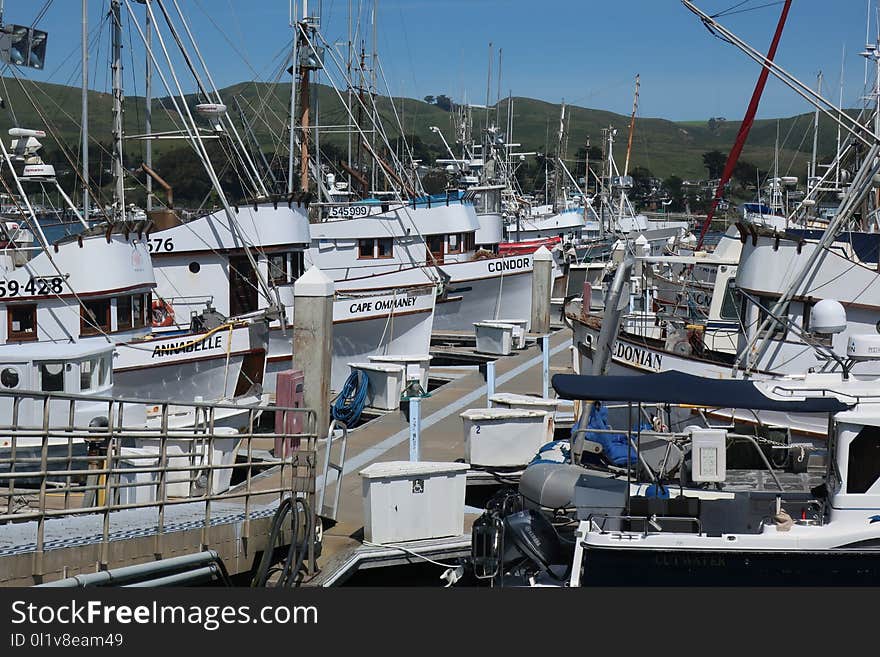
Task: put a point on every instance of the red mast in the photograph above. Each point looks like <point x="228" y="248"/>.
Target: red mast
<point x="746" y="125"/>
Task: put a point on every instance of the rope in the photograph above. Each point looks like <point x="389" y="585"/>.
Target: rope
<point x="351" y="400"/>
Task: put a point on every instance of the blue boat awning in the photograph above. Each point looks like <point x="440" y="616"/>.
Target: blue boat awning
<point x="674" y="387"/>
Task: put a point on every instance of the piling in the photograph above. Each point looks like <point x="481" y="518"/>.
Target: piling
<point x="542" y="282"/>
<point x="313" y="341"/>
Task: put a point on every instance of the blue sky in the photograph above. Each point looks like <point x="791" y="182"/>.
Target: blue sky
<point x="585" y="51"/>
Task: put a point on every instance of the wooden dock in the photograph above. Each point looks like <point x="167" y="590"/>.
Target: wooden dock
<point x="442" y="439"/>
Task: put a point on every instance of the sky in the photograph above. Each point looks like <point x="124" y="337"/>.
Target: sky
<point x="586" y="52"/>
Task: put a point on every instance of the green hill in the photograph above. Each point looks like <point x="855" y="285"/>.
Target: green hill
<point x="664" y="147"/>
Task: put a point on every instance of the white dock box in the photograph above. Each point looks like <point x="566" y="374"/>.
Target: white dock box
<point x="493" y="338"/>
<point x="194" y="451"/>
<point x="526" y="402"/>
<point x="420" y="361"/>
<point x="385" y="384"/>
<point x="136" y="487"/>
<point x="520" y="328"/>
<point x="504" y="437"/>
<point x="413" y="500"/>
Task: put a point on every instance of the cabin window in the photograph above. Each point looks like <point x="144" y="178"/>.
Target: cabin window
<point x="864" y="461"/>
<point x="730" y="305"/>
<point x="123" y="313"/>
<point x="105" y="371"/>
<point x="21" y="323"/>
<point x="139" y="303"/>
<point x="89" y="374"/>
<point x="454" y="244"/>
<point x="365" y="249"/>
<point x="95" y="317"/>
<point x="278" y="269"/>
<point x="384" y="247"/>
<point x="376" y="248"/>
<point x="469" y="241"/>
<point x="194" y="267"/>
<point x="9" y="377"/>
<point x="779" y="329"/>
<point x="51" y="377"/>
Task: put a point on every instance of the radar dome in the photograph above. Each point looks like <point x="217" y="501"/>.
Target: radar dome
<point x="828" y="317"/>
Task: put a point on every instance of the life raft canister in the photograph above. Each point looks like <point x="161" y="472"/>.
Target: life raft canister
<point x="163" y="313"/>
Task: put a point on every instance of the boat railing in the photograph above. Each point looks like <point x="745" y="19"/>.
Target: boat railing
<point x="190" y="464"/>
<point x="651" y="524"/>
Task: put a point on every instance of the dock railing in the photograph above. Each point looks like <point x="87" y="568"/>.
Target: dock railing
<point x="65" y="455"/>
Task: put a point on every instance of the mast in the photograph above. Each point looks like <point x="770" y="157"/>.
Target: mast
<point x="291" y="143"/>
<point x="632" y="127"/>
<point x="85" y="108"/>
<point x="116" y="67"/>
<point x="557" y="168"/>
<point x="748" y="120"/>
<point x="815" y="130"/>
<point x="305" y="109"/>
<point x="373" y="88"/>
<point x="349" y="92"/>
<point x="488" y="87"/>
<point x="840" y="104"/>
<point x="148" y="109"/>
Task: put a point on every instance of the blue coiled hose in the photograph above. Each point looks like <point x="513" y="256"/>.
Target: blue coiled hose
<point x="350" y="402"/>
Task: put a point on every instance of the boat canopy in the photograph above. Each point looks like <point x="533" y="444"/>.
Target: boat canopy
<point x="674" y="387"/>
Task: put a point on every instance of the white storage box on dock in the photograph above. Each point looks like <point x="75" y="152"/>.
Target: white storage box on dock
<point x="422" y="362"/>
<point x="385" y="384"/>
<point x="493" y="338"/>
<point x="136" y="487"/>
<point x="411" y="501"/>
<point x="505" y="437"/>
<point x="525" y="402"/>
<point x="193" y="451"/>
<point x="520" y="328"/>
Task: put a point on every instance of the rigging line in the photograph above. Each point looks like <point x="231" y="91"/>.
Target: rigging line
<point x="42" y="13"/>
<point x="736" y="6"/>
<point x="742" y="11"/>
<point x="196" y="140"/>
<point x="62" y="146"/>
<point x="255" y="183"/>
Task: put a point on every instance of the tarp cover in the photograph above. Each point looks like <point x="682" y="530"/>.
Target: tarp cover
<point x="674" y="387"/>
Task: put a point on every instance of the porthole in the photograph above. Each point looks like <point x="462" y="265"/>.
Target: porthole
<point x="9" y="377"/>
<point x="195" y="267"/>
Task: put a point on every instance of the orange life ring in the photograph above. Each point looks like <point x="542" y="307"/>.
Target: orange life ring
<point x="163" y="313"/>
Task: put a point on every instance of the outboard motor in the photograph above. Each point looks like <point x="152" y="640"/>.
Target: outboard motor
<point x="538" y="542"/>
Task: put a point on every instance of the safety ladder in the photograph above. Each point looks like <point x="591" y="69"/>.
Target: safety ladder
<point x="337" y="433"/>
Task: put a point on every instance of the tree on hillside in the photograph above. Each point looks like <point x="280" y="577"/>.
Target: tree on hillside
<point x="642" y="178"/>
<point x="746" y="173"/>
<point x="580" y="160"/>
<point x="435" y="181"/>
<point x="430" y="100"/>
<point x="714" y="163"/>
<point x="673" y="186"/>
<point x="444" y="102"/>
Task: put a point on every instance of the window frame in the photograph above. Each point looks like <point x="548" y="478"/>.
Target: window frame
<point x="283" y="275"/>
<point x="372" y="252"/>
<point x="85" y="329"/>
<point x="129" y="323"/>
<point x="459" y="243"/>
<point x="21" y="336"/>
<point x="390" y="242"/>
